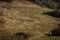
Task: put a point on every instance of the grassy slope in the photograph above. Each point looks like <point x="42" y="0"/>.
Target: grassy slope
<point x="19" y="17"/>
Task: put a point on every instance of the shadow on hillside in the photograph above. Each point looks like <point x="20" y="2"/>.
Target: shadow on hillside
<point x="39" y="3"/>
<point x="6" y="1"/>
<point x="54" y="32"/>
<point x="55" y="14"/>
<point x="51" y="5"/>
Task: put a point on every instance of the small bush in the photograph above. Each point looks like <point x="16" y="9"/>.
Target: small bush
<point x="22" y="35"/>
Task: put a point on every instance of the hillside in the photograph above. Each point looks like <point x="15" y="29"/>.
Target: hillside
<point x="23" y="16"/>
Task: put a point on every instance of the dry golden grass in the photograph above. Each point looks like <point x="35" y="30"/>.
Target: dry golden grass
<point x="24" y="18"/>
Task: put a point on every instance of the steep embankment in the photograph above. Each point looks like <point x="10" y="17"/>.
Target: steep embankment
<point x="21" y="16"/>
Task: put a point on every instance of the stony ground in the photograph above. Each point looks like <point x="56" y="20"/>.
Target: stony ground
<point x="28" y="18"/>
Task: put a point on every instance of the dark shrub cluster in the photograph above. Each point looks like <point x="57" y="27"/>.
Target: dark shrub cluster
<point x="55" y="32"/>
<point x="47" y="3"/>
<point x="22" y="35"/>
<point x="53" y="14"/>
